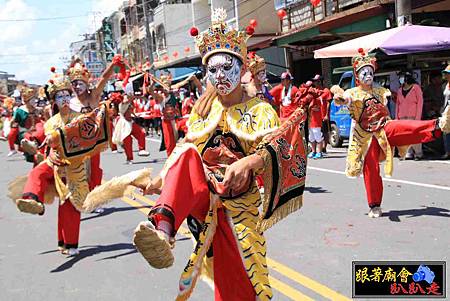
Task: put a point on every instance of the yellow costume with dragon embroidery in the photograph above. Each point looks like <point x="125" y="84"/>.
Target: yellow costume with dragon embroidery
<point x="76" y="186"/>
<point x="249" y="122"/>
<point x="361" y="138"/>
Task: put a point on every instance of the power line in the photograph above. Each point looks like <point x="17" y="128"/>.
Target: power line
<point x="35" y="53"/>
<point x="43" y="19"/>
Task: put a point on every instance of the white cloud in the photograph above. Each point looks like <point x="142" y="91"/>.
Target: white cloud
<point x="13" y="31"/>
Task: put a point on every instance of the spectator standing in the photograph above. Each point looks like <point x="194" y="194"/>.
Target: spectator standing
<point x="325" y="98"/>
<point x="433" y="98"/>
<point x="284" y="96"/>
<point x="409" y="106"/>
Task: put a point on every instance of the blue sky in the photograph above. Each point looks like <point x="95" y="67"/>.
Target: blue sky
<point x="28" y="49"/>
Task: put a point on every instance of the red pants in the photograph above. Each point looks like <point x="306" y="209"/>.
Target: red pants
<point x="169" y="136"/>
<point x="189" y="195"/>
<point x="399" y="133"/>
<point x="12" y="138"/>
<point x="68" y="225"/>
<point x="68" y="217"/>
<point x="138" y="133"/>
<point x="96" y="176"/>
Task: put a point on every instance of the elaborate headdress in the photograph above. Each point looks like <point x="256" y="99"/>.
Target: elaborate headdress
<point x="362" y="60"/>
<point x="220" y="38"/>
<point x="27" y="93"/>
<point x="255" y="63"/>
<point x="57" y="82"/>
<point x="78" y="71"/>
<point x="166" y="80"/>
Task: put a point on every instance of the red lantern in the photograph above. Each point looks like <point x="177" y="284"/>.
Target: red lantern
<point x="253" y="23"/>
<point x="175" y="54"/>
<point x="187" y="49"/>
<point x="194" y="31"/>
<point x="165" y="57"/>
<point x="250" y="30"/>
<point x="315" y="2"/>
<point x="281" y="14"/>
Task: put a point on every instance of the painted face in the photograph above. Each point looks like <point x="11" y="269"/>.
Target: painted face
<point x="365" y="75"/>
<point x="224" y="72"/>
<point x="261" y="76"/>
<point x="62" y="98"/>
<point x="79" y="86"/>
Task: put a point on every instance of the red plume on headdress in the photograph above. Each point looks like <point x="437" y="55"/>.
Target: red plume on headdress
<point x="52" y="69"/>
<point x="116" y="98"/>
<point x="251" y="55"/>
<point x="361" y="51"/>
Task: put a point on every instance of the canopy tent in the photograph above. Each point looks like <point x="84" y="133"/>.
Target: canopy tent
<point x="398" y="40"/>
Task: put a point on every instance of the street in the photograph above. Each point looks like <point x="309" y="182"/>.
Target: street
<point x="310" y="253"/>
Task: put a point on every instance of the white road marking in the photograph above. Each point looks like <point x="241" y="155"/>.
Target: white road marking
<point x="387" y="179"/>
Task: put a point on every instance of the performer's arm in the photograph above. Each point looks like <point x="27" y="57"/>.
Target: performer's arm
<point x="106" y="75"/>
<point x="156" y="96"/>
<point x="236" y="175"/>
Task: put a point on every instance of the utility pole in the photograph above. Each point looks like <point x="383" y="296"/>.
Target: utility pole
<point x="403" y="12"/>
<point x="147" y="33"/>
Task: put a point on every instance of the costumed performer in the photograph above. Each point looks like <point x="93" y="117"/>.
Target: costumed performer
<point x="375" y="134"/>
<point x="88" y="99"/>
<point x="168" y="103"/>
<point x="64" y="174"/>
<point x="125" y="127"/>
<point x="231" y="138"/>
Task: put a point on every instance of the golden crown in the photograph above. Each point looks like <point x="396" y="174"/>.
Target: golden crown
<point x="362" y="60"/>
<point x="58" y="82"/>
<point x="220" y="38"/>
<point x="27" y="93"/>
<point x="78" y="71"/>
<point x="256" y="63"/>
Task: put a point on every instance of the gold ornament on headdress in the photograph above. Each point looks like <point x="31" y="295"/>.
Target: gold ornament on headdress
<point x="256" y="63"/>
<point x="58" y="82"/>
<point x="27" y="93"/>
<point x="220" y="38"/>
<point x="78" y="71"/>
<point x="362" y="60"/>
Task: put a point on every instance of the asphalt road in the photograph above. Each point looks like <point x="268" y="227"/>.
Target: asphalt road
<point x="310" y="253"/>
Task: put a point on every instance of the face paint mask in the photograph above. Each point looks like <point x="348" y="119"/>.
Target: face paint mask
<point x="365" y="75"/>
<point x="79" y="86"/>
<point x="224" y="72"/>
<point x="62" y="98"/>
<point x="261" y="76"/>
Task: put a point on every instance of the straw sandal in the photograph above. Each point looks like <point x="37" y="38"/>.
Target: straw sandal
<point x="30" y="206"/>
<point x="153" y="245"/>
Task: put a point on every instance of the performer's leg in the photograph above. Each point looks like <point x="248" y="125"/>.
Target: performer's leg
<point x="70" y="222"/>
<point x="61" y="245"/>
<point x="33" y="194"/>
<point x="230" y="278"/>
<point x="372" y="178"/>
<point x="169" y="136"/>
<point x="409" y="132"/>
<point x="96" y="172"/>
<point x="128" y="147"/>
<point x="181" y="196"/>
<point x="138" y="132"/>
<point x="12" y="138"/>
